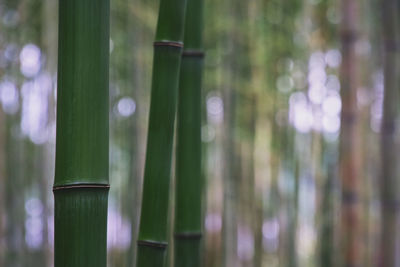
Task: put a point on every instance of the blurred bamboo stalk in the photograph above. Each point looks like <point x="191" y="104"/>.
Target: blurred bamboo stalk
<point x="349" y="158"/>
<point x="390" y="182"/>
<point x="326" y="227"/>
<point x="3" y="207"/>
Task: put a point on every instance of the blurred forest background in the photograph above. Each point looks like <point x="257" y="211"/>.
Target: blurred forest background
<point x="296" y="141"/>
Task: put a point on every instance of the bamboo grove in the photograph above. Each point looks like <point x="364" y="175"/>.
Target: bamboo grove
<point x="183" y="133"/>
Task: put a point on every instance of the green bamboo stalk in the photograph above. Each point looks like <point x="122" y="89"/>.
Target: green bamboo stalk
<point x="152" y="241"/>
<point x="189" y="184"/>
<point x="389" y="146"/>
<point x="81" y="174"/>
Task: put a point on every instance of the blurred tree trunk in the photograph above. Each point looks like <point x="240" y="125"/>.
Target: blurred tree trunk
<point x="15" y="199"/>
<point x="292" y="260"/>
<point x="3" y="207"/>
<point x="326" y="226"/>
<point x="231" y="159"/>
<point x="390" y="182"/>
<point x="230" y="175"/>
<point x="349" y="159"/>
<point x="49" y="41"/>
<point x="135" y="69"/>
<point x="14" y="186"/>
<point x="248" y="199"/>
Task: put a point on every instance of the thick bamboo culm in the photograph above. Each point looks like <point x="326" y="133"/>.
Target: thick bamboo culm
<point x="152" y="240"/>
<point x="189" y="184"/>
<point x="81" y="176"/>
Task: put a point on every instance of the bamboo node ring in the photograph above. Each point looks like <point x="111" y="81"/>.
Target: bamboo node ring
<point x="154" y="244"/>
<point x="75" y="186"/>
<point x="168" y="43"/>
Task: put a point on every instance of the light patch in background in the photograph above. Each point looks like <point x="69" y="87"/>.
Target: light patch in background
<point x="270" y="231"/>
<point x="285" y="83"/>
<point x="331" y="124"/>
<point x="50" y="229"/>
<point x="111" y="45"/>
<point x="316" y="93"/>
<point x="306" y="240"/>
<point x="245" y="244"/>
<point x="317" y="119"/>
<point x="11" y="52"/>
<point x="316" y="61"/>
<point x="207" y="133"/>
<point x="332" y="104"/>
<point x="33" y="223"/>
<point x="126" y="107"/>
<point x="30" y="60"/>
<point x="363" y="47"/>
<point x="34" y="207"/>
<point x="333" y="15"/>
<point x="376" y="110"/>
<point x="333" y="58"/>
<point x="9" y="97"/>
<point x="11" y="18"/>
<point x="35" y="95"/>
<point x="119" y="230"/>
<point x="215" y="109"/>
<point x="333" y="83"/>
<point x="213" y="222"/>
<point x="299" y="79"/>
<point x="317" y="76"/>
<point x="300" y="112"/>
<point x="320" y="109"/>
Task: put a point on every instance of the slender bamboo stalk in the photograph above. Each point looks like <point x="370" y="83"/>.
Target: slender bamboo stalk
<point x="81" y="175"/>
<point x="293" y="209"/>
<point x="152" y="241"/>
<point x="2" y="186"/>
<point x="189" y="184"/>
<point x="389" y="146"/>
<point x="231" y="157"/>
<point x="326" y="230"/>
<point x="348" y="154"/>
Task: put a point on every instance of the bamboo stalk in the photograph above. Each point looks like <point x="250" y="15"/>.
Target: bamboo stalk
<point x="81" y="174"/>
<point x="389" y="146"/>
<point x="3" y="207"/>
<point x="189" y="183"/>
<point x="349" y="145"/>
<point x="326" y="227"/>
<point x="152" y="241"/>
<point x="14" y="199"/>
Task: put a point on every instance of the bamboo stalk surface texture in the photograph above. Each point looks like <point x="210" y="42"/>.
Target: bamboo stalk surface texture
<point x="152" y="241"/>
<point x="81" y="175"/>
<point x="189" y="184"/>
